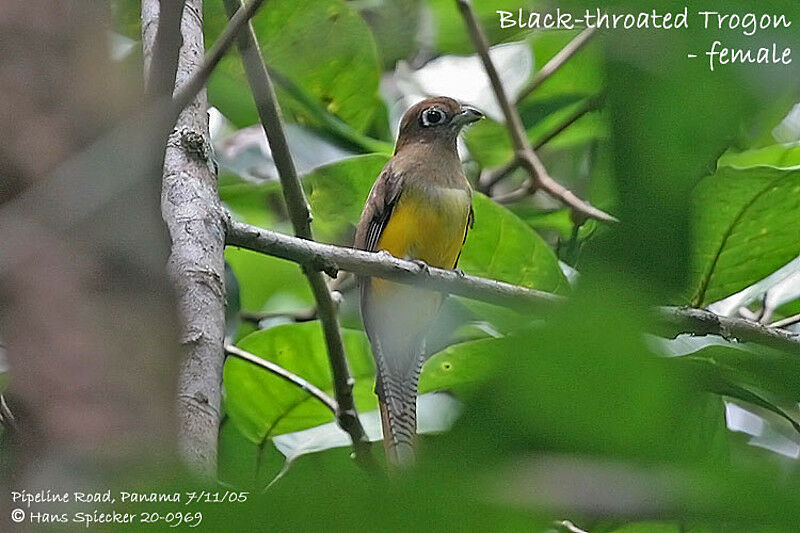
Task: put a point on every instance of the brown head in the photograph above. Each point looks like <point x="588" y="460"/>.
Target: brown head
<point x="435" y="120"/>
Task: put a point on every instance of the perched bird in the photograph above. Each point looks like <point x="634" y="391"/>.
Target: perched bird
<point x="420" y="209"/>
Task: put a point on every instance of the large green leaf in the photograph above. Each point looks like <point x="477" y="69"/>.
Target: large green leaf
<point x="323" y="46"/>
<point x="263" y="405"/>
<point x="746" y="225"/>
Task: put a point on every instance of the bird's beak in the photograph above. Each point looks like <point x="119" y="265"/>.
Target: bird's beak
<point x="468" y="115"/>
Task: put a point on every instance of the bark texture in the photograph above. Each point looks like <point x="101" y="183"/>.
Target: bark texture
<point x="192" y="211"/>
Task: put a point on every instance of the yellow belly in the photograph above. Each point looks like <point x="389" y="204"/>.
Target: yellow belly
<point x="430" y="231"/>
<point x="425" y="230"/>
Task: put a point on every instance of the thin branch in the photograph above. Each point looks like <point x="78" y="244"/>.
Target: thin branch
<point x="237" y="22"/>
<point x="540" y="179"/>
<point x="670" y="321"/>
<point x="162" y="65"/>
<point x="281" y="372"/>
<point x="556" y="62"/>
<point x="300" y="215"/>
<point x="331" y="259"/>
<point x="7" y="419"/>
<point x="491" y="178"/>
<point x="788" y="321"/>
<point x="676" y="320"/>
<point x="305" y="315"/>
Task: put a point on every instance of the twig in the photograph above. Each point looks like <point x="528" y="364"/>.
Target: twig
<point x="678" y="320"/>
<point x="279" y="371"/>
<point x="7" y="419"/>
<point x="300" y="215"/>
<point x="331" y="259"/>
<point x="556" y="62"/>
<point x="237" y="22"/>
<point x="669" y="321"/>
<point x="540" y="179"/>
<point x="162" y="64"/>
<point x="788" y="321"/>
<point x="305" y="315"/>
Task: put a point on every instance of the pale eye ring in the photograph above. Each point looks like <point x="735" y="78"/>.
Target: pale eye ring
<point x="432" y="117"/>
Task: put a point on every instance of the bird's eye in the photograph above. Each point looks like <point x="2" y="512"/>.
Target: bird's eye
<point x="432" y="117"/>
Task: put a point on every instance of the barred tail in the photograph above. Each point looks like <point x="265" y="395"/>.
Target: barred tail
<point x="399" y="421"/>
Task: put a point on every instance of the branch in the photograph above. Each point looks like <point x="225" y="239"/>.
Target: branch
<point x="556" y="62"/>
<point x="162" y="64"/>
<point x="491" y="178"/>
<point x="194" y="216"/>
<point x="540" y="179"/>
<point x="304" y="315"/>
<point x="670" y="321"/>
<point x="279" y="371"/>
<point x="677" y="320"/>
<point x="191" y="87"/>
<point x="300" y="215"/>
<point x="788" y="321"/>
<point x="331" y="259"/>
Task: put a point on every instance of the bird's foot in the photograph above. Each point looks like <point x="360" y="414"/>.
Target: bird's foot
<point x="460" y="273"/>
<point x="423" y="266"/>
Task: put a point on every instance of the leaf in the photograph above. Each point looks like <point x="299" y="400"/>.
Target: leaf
<point x="268" y="283"/>
<point x="745" y="227"/>
<point x="337" y="194"/>
<point x="263" y="405"/>
<point x="324" y="46"/>
<point x="776" y="155"/>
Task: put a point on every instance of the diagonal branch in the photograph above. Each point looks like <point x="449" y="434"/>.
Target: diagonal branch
<point x="192" y="86"/>
<point x="300" y="215"/>
<point x="490" y="178"/>
<point x="281" y="372"/>
<point x="669" y="321"/>
<point x="527" y="158"/>
<point x="556" y="62"/>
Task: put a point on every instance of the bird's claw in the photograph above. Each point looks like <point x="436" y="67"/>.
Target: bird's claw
<point x="460" y="273"/>
<point x="423" y="266"/>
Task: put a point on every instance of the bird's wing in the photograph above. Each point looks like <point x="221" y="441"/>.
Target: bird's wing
<point x="381" y="202"/>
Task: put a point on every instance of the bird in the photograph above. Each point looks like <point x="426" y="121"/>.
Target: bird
<point x="419" y="209"/>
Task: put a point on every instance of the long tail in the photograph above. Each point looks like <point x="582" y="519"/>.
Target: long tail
<point x="397" y="396"/>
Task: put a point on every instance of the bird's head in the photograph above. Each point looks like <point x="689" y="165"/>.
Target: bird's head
<point x="435" y="120"/>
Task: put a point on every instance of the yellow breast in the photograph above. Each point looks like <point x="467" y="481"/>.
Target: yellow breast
<point x="428" y="227"/>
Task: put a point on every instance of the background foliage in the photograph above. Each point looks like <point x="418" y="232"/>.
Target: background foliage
<point x="582" y="415"/>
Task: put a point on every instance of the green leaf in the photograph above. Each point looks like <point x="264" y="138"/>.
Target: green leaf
<point x="337" y="194"/>
<point x="745" y="227"/>
<point x="323" y="46"/>
<point x="268" y="283"/>
<point x="263" y="405"/>
<point x="776" y="155"/>
<point x="501" y="246"/>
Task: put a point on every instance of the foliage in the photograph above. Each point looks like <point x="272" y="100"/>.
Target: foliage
<point x="578" y="415"/>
